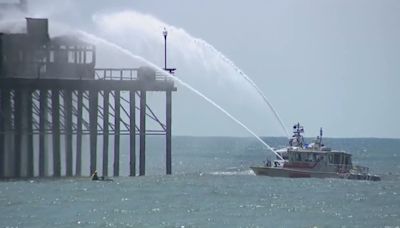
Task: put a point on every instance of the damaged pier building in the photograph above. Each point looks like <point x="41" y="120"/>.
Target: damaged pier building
<point x="51" y="95"/>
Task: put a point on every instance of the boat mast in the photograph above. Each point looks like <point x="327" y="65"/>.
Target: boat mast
<point x="320" y="137"/>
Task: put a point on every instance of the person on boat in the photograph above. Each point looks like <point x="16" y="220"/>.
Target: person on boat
<point x="95" y="177"/>
<point x="268" y="163"/>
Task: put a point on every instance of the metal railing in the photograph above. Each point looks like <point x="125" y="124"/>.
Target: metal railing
<point x="126" y="74"/>
<point x="360" y="169"/>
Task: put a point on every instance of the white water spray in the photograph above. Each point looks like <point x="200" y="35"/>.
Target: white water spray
<point x="147" y="27"/>
<point x="127" y="52"/>
<point x="94" y="39"/>
<point x="248" y="79"/>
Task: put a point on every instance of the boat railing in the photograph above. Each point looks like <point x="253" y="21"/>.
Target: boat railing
<point x="341" y="167"/>
<point x="360" y="169"/>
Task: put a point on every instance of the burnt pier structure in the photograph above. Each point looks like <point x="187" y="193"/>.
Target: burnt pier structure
<point x="56" y="108"/>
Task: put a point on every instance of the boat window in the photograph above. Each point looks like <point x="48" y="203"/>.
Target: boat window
<point x="318" y="157"/>
<point x="89" y="57"/>
<point x="298" y="157"/>
<point x="51" y="56"/>
<point x="43" y="69"/>
<point x="347" y="160"/>
<point x="71" y="57"/>
<point x="336" y="159"/>
<point x="21" y="56"/>
<point x="330" y="158"/>
<point x="309" y="157"/>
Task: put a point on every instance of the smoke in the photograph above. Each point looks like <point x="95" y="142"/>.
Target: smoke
<point x="12" y="17"/>
<point x="50" y="9"/>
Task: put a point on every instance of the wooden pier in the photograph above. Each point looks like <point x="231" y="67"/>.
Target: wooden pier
<point x="52" y="97"/>
<point x="36" y="113"/>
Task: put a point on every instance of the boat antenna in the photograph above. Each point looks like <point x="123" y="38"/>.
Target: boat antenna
<point x="320" y="135"/>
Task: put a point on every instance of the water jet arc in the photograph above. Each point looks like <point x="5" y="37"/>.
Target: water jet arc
<point x="95" y="39"/>
<point x="248" y="79"/>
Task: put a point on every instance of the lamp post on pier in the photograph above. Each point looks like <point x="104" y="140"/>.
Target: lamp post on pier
<point x="165" y="34"/>
<point x="170" y="70"/>
<point x="168" y="133"/>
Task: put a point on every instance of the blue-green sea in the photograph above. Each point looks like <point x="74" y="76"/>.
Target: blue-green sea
<point x="212" y="186"/>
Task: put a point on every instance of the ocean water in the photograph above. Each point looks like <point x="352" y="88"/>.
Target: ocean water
<point x="212" y="186"/>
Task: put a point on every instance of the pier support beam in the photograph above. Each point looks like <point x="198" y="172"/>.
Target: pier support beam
<point x="68" y="131"/>
<point x="29" y="135"/>
<point x="43" y="111"/>
<point x="55" y="109"/>
<point x="3" y="101"/>
<point x="78" y="162"/>
<point x="93" y="101"/>
<point x="168" y="132"/>
<point x="142" y="151"/>
<point x="8" y="134"/>
<point x="117" y="106"/>
<point x="18" y="132"/>
<point x="132" y="132"/>
<point x="106" y="99"/>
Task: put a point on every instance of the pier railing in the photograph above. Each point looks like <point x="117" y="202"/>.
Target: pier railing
<point x="126" y="74"/>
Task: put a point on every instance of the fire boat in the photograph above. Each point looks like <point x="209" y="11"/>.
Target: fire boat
<point x="314" y="160"/>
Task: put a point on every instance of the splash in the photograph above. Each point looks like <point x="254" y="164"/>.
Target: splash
<point x="248" y="172"/>
<point x="146" y="28"/>
<point x="97" y="40"/>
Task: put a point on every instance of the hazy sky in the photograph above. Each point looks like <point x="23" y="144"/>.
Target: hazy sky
<point x="331" y="63"/>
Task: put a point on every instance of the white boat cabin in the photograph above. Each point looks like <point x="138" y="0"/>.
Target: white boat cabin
<point x="318" y="159"/>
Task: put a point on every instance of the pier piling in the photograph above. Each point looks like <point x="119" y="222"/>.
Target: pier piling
<point x="18" y="132"/>
<point x="78" y="162"/>
<point x="55" y="112"/>
<point x="168" y="132"/>
<point x="142" y="135"/>
<point x="93" y="103"/>
<point x="43" y="114"/>
<point x="117" y="127"/>
<point x="2" y="136"/>
<point x="106" y="101"/>
<point x="68" y="131"/>
<point x="29" y="135"/>
<point x="132" y="132"/>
